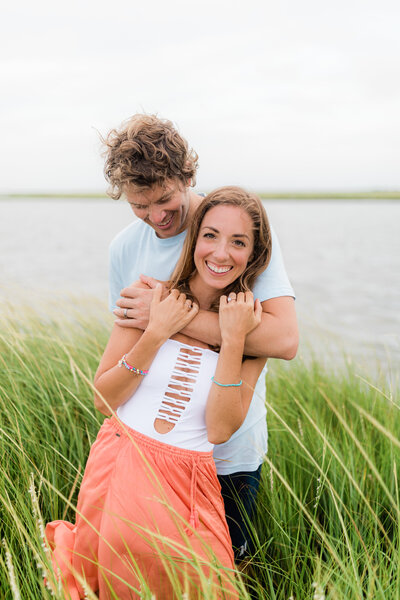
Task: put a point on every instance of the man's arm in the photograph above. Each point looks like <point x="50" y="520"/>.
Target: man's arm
<point x="115" y="283"/>
<point x="275" y="337"/>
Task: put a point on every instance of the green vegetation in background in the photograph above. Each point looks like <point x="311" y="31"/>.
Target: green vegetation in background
<point x="328" y="510"/>
<point x="377" y="195"/>
<point x="367" y="195"/>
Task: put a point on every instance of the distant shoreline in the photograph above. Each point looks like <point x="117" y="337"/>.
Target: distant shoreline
<point x="374" y="195"/>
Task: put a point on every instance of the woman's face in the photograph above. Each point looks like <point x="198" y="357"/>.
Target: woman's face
<point x="224" y="245"/>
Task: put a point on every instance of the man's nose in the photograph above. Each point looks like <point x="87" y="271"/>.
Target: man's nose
<point x="156" y="214"/>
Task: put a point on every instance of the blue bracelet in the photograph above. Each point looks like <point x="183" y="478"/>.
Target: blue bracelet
<point x="227" y="384"/>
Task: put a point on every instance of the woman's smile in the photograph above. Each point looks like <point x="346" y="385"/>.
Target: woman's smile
<point x="223" y="248"/>
<point x="218" y="269"/>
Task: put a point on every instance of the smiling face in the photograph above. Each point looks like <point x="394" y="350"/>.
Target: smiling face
<point x="224" y="246"/>
<point x="227" y="246"/>
<point x="164" y="208"/>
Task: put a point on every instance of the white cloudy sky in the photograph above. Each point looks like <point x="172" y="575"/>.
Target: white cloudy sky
<point x="273" y="95"/>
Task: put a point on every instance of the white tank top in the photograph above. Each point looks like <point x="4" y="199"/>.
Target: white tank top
<point x="175" y="390"/>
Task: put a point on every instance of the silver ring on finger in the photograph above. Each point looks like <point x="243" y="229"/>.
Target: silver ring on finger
<point x="125" y="313"/>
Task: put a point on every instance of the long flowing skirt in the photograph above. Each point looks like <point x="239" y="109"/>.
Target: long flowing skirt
<point x="150" y="516"/>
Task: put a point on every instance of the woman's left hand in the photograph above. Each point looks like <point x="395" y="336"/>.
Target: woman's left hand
<point x="238" y="315"/>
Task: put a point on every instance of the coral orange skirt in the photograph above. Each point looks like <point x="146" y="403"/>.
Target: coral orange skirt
<point x="150" y="516"/>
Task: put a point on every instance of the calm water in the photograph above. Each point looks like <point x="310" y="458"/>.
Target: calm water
<point x="343" y="259"/>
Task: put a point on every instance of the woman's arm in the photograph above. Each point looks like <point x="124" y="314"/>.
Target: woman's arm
<point x="227" y="404"/>
<point x="115" y="384"/>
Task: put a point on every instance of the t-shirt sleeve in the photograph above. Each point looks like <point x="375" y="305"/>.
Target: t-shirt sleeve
<point x="273" y="282"/>
<point x="115" y="283"/>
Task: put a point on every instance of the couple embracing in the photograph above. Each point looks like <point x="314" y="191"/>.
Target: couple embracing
<point x="171" y="480"/>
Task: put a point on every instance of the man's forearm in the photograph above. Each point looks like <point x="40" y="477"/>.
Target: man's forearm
<point x="205" y="328"/>
<point x="275" y="337"/>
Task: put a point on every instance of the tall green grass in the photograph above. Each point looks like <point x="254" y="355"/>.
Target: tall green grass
<point x="328" y="509"/>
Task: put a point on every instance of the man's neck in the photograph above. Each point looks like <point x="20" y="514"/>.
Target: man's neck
<point x="194" y="201"/>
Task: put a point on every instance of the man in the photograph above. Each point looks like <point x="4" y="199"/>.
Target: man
<point x="149" y="163"/>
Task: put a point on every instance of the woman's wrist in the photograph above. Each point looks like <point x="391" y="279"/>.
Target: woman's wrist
<point x="233" y="340"/>
<point x="153" y="337"/>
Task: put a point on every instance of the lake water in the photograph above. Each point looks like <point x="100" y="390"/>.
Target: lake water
<point x="343" y="259"/>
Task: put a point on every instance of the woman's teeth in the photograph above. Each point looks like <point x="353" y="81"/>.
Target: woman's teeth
<point x="217" y="269"/>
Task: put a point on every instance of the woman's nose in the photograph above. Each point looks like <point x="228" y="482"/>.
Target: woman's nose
<point x="221" y="251"/>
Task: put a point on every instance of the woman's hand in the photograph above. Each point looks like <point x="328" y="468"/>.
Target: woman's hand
<point x="170" y="315"/>
<point x="238" y="315"/>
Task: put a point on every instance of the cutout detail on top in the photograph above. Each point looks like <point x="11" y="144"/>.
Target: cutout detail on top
<point x="179" y="389"/>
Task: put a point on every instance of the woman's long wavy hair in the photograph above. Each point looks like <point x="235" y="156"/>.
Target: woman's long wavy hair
<point x="259" y="259"/>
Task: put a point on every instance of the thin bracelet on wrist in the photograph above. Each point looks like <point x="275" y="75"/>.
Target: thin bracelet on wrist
<point x="227" y="384"/>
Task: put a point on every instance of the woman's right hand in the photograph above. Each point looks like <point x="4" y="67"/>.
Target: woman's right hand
<point x="170" y="315"/>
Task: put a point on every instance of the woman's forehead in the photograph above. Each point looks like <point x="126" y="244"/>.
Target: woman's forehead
<point x="227" y="216"/>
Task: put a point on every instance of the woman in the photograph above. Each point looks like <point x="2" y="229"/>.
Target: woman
<point x="150" y="508"/>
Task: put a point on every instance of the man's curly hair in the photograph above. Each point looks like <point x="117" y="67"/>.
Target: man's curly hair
<point x="144" y="152"/>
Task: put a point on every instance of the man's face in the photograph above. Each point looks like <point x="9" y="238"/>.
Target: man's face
<point x="165" y="208"/>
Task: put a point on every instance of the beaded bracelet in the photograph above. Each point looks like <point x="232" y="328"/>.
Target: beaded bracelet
<point x="227" y="384"/>
<point x="122" y="362"/>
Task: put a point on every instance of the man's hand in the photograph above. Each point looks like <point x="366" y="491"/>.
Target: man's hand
<point x="134" y="304"/>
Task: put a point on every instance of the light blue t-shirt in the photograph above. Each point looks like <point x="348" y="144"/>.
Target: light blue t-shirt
<point x="137" y="250"/>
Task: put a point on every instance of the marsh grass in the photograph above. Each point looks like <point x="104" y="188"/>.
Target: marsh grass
<point x="328" y="509"/>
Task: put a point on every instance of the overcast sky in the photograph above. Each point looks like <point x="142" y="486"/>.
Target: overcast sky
<point x="273" y="95"/>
